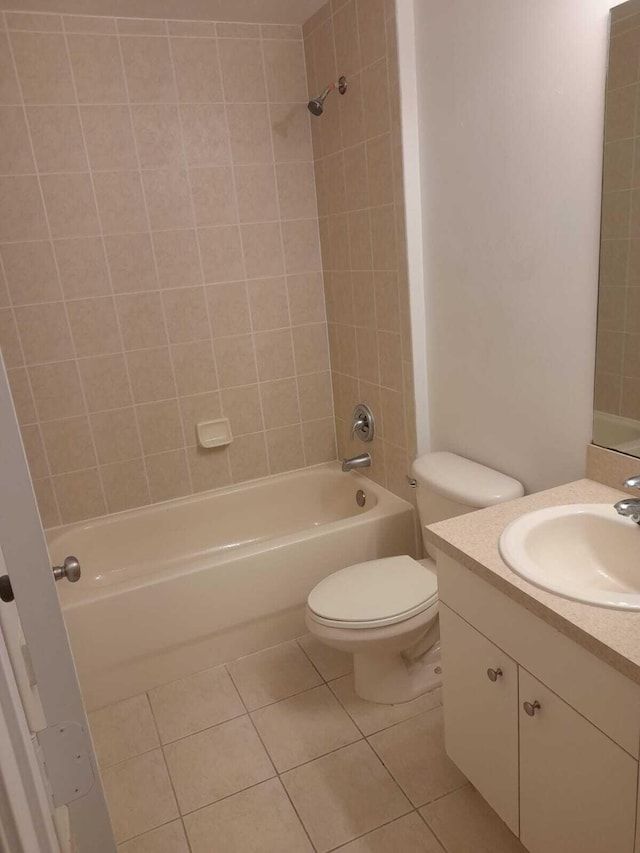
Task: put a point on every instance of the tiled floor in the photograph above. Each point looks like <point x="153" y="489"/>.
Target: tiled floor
<point x="275" y="753"/>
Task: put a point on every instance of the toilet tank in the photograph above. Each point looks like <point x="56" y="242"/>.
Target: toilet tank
<point x="448" y="485"/>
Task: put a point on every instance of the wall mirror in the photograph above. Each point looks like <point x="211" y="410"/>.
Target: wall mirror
<point x="616" y="420"/>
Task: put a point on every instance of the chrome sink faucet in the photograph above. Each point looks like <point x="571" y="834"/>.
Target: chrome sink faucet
<point x="630" y="507"/>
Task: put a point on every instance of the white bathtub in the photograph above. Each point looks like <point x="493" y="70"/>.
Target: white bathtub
<point x="177" y="587"/>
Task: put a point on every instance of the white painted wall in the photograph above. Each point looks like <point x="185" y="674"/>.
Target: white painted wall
<point x="510" y="106"/>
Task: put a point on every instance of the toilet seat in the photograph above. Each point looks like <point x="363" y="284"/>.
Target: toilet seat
<point x="375" y="593"/>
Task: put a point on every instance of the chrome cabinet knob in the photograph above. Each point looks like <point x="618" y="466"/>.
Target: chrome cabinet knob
<point x="530" y="708"/>
<point x="70" y="570"/>
<point x="494" y="674"/>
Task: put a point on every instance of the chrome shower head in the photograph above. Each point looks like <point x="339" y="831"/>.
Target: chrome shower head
<point x="316" y="106"/>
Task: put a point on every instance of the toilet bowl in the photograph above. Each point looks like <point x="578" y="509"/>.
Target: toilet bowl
<point x="381" y="612"/>
<point x="385" y="612"/>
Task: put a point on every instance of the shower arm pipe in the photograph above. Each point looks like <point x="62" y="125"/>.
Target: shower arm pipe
<point x="316" y="105"/>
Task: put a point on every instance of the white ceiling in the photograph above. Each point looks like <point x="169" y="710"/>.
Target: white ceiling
<point x="255" y="11"/>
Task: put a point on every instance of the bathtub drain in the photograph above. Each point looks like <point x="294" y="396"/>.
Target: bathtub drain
<point x="361" y="498"/>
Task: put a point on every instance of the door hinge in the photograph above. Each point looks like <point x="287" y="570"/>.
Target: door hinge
<point x="67" y="762"/>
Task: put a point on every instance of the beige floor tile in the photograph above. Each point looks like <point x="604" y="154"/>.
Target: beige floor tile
<point x="413" y="752"/>
<point x="464" y="822"/>
<point x="408" y="834"/>
<point x="273" y="674"/>
<point x="304" y="727"/>
<point x="123" y="730"/>
<point x="260" y="820"/>
<point x="344" y="795"/>
<point x="329" y="662"/>
<point x="166" y="839"/>
<point x="371" y="717"/>
<point x="216" y="763"/>
<point x="139" y="795"/>
<point x="195" y="703"/>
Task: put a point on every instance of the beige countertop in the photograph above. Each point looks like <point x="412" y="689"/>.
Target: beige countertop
<point x="472" y="540"/>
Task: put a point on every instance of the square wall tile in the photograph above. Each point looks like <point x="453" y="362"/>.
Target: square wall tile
<point x="15" y="157"/>
<point x="168" y="201"/>
<point x="125" y="485"/>
<point x="148" y="69"/>
<point x="82" y="267"/>
<point x="285" y="449"/>
<point x="109" y="137"/>
<point x="97" y="69"/>
<point x="248" y="458"/>
<point x="70" y="205"/>
<point x="243" y="408"/>
<point x="168" y="475"/>
<point x="52" y="383"/>
<point x="43" y="68"/>
<point x="94" y="326"/>
<point x="120" y="202"/>
<point x="21" y="210"/>
<point x="30" y="272"/>
<point x="57" y="139"/>
<point x="105" y="382"/>
<point x="69" y="444"/>
<point x="44" y="332"/>
<point x="242" y="71"/>
<point x="79" y="495"/>
<point x="228" y="307"/>
<point x="206" y="134"/>
<point x="131" y="262"/>
<point x="197" y="70"/>
<point x="115" y="435"/>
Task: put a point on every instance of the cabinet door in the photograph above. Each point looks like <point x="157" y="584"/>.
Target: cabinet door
<point x="577" y="787"/>
<point x="480" y="717"/>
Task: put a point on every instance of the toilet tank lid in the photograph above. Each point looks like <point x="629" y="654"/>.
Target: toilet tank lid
<point x="464" y="481"/>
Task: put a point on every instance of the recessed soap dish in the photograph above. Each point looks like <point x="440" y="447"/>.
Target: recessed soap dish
<point x="214" y="433"/>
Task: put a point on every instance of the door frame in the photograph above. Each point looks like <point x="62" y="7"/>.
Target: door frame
<point x="27" y="563"/>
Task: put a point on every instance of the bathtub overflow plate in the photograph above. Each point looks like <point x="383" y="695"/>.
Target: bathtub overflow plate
<point x="361" y="498"/>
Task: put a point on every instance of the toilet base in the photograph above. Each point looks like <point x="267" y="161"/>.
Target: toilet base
<point x="389" y="679"/>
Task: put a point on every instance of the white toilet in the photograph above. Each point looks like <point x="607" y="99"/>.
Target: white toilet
<point x="385" y="612"/>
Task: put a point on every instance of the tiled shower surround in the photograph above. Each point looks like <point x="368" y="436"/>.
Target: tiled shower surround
<point x="160" y="211"/>
<point x="160" y="253"/>
<point x="359" y="177"/>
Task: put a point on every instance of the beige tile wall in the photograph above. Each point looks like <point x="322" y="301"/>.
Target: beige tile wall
<point x="618" y="347"/>
<point x="160" y="257"/>
<point x="358" y="164"/>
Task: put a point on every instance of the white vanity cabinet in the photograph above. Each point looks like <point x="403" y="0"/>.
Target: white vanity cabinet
<point x="481" y="720"/>
<point x="562" y="773"/>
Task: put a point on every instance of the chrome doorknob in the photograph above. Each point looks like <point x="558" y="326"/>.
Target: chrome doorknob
<point x="494" y="674"/>
<point x="530" y="708"/>
<point x="70" y="570"/>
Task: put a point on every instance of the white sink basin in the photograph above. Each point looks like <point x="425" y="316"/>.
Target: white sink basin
<point x="586" y="552"/>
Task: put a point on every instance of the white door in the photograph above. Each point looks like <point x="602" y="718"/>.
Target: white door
<point x="63" y="743"/>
